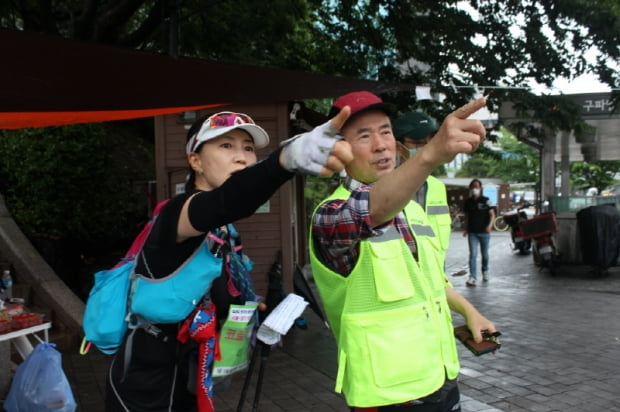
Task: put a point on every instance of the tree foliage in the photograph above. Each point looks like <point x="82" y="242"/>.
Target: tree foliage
<point x="545" y="115"/>
<point x="485" y="42"/>
<point x="512" y="162"/>
<point x="279" y="33"/>
<point x="601" y="175"/>
<point x="74" y="182"/>
<point x="439" y="43"/>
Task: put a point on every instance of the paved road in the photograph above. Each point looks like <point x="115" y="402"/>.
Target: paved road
<point x="561" y="347"/>
<point x="561" y="335"/>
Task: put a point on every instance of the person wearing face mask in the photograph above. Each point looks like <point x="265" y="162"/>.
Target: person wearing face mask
<point x="414" y="130"/>
<point x="479" y="216"/>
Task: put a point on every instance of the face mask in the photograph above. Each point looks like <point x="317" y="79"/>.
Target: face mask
<point x="412" y="151"/>
<point x="475" y="192"/>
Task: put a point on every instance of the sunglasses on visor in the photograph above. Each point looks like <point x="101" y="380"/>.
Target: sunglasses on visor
<point x="221" y="119"/>
<point x="225" y="119"/>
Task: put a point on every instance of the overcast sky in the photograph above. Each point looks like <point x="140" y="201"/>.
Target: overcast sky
<point x="586" y="83"/>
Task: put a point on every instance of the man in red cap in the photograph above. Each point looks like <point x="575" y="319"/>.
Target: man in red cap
<point x="380" y="278"/>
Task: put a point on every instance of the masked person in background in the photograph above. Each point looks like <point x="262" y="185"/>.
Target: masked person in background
<point x="381" y="282"/>
<point x="153" y="369"/>
<point x="414" y="130"/>
<point x="479" y="216"/>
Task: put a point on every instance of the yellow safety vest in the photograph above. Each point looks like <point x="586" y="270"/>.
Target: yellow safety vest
<point x="390" y="317"/>
<point x="438" y="211"/>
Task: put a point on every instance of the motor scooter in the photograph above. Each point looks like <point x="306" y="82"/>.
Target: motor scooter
<point x="540" y="229"/>
<point x="513" y="219"/>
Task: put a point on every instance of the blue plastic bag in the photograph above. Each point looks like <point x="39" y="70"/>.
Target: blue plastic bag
<point x="40" y="384"/>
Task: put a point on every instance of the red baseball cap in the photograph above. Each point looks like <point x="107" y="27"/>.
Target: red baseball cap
<point x="359" y="102"/>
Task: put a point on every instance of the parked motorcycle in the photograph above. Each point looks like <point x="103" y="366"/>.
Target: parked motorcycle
<point x="540" y="229"/>
<point x="513" y="219"/>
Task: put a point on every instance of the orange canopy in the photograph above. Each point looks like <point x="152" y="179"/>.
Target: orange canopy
<point x="19" y="120"/>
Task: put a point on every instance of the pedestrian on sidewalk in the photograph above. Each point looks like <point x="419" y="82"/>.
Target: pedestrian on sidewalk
<point x="479" y="216"/>
<point x="381" y="281"/>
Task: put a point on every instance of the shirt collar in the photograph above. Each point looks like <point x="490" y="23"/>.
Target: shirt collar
<point x="351" y="184"/>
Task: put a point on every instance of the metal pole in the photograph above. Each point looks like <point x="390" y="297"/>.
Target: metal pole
<point x="264" y="356"/>
<point x="248" y="377"/>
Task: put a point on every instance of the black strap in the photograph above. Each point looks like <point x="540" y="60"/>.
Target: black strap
<point x="150" y="328"/>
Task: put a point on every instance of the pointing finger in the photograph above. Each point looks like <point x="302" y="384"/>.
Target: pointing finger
<point x="470" y="108"/>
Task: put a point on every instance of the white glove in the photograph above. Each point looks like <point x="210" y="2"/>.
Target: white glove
<point x="308" y="152"/>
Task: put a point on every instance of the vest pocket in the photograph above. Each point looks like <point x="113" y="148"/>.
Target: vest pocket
<point x="390" y="271"/>
<point x="444" y="229"/>
<point x="399" y="347"/>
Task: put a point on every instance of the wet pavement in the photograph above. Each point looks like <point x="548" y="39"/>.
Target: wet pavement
<point x="560" y="347"/>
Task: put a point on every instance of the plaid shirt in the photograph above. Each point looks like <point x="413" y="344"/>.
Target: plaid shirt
<point x="339" y="225"/>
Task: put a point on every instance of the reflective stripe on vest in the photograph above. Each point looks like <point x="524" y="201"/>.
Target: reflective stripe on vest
<point x="425" y="230"/>
<point x="438" y="211"/>
<point x="389" y="235"/>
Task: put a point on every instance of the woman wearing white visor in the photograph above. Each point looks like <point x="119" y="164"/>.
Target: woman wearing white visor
<point x="153" y="370"/>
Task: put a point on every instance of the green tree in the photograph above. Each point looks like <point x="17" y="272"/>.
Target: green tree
<point x="439" y="43"/>
<point x="601" y="175"/>
<point x="491" y="42"/>
<point x="280" y="33"/>
<point x="509" y="160"/>
<point x="520" y="163"/>
<point x="477" y="166"/>
<point x="73" y="191"/>
<point x="317" y="189"/>
<point x="74" y="181"/>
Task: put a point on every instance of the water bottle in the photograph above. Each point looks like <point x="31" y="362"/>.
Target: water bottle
<point x="7" y="282"/>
